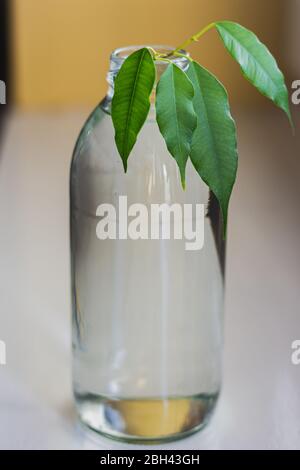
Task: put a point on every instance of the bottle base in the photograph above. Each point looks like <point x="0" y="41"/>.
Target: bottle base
<point x="145" y="421"/>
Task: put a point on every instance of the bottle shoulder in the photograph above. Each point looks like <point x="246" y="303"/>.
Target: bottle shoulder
<point x="91" y="123"/>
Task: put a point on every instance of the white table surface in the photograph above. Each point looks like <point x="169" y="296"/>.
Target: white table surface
<point x="260" y="402"/>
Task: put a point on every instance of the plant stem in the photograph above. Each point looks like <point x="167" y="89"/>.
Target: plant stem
<point x="183" y="55"/>
<point x="153" y="51"/>
<point x="157" y="56"/>
<point x="193" y="38"/>
<point x="163" y="59"/>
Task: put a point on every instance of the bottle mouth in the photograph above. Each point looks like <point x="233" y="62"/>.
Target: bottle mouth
<point x="119" y="55"/>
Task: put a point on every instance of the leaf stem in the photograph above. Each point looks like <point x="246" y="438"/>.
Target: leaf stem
<point x="193" y="38"/>
<point x="186" y="56"/>
<point x="158" y="56"/>
<point x="163" y="59"/>
<point x="153" y="52"/>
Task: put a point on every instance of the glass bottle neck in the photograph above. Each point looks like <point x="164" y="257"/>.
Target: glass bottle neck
<point x="118" y="56"/>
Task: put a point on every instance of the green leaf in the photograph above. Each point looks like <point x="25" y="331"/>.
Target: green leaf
<point x="257" y="63"/>
<point x="131" y="101"/>
<point x="214" y="147"/>
<point x="175" y="114"/>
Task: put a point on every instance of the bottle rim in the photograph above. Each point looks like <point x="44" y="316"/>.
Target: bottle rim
<point x="120" y="54"/>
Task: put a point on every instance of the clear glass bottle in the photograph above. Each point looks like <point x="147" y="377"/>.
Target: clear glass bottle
<point x="147" y="314"/>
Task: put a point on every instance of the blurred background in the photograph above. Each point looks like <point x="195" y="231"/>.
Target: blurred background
<point x="54" y="56"/>
<point x="58" y="50"/>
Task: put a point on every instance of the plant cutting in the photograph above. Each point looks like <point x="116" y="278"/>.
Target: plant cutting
<point x="192" y="108"/>
<point x="147" y="237"/>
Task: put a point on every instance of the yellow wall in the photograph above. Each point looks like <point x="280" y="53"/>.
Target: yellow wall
<point x="61" y="47"/>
